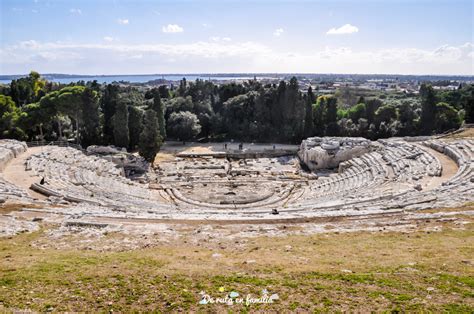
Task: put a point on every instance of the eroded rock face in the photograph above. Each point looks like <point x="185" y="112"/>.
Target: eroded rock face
<point x="9" y="149"/>
<point x="131" y="163"/>
<point x="328" y="152"/>
<point x="104" y="150"/>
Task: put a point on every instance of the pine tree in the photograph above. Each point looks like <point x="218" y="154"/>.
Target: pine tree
<point x="150" y="138"/>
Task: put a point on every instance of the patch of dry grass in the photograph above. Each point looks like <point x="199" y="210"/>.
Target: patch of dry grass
<point x="467" y="133"/>
<point x="328" y="272"/>
<point x="162" y="157"/>
<point x="466" y="207"/>
<point x="7" y="208"/>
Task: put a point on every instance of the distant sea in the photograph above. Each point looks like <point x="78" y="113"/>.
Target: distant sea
<point x="66" y="78"/>
<point x="132" y="78"/>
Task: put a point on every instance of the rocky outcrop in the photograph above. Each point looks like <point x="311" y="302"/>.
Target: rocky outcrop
<point x="9" y="149"/>
<point x="131" y="163"/>
<point x="328" y="152"/>
<point x="104" y="150"/>
<point x="393" y="176"/>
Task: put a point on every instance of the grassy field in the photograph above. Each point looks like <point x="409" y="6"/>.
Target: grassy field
<point x="328" y="272"/>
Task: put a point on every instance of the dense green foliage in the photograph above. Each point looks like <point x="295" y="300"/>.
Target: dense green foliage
<point x="140" y="117"/>
<point x="9" y="117"/>
<point x="135" y="125"/>
<point x="428" y="108"/>
<point x="120" y="125"/>
<point x="151" y="139"/>
<point x="157" y="106"/>
<point x="183" y="125"/>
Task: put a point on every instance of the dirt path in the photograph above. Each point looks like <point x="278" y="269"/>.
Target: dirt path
<point x="449" y="168"/>
<point x="15" y="173"/>
<point x="193" y="147"/>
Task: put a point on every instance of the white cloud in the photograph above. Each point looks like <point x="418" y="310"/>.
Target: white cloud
<point x="228" y="56"/>
<point x="217" y="39"/>
<point x="30" y="44"/>
<point x="75" y="11"/>
<point x="172" y="28"/>
<point x="137" y="56"/>
<point x="278" y="32"/>
<point x="109" y="39"/>
<point x="344" y="29"/>
<point x="123" y="21"/>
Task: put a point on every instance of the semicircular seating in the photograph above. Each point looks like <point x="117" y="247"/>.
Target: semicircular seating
<point x="394" y="176"/>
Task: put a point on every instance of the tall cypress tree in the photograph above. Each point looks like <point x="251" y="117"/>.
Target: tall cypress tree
<point x="150" y="138"/>
<point x="468" y="100"/>
<point x="135" y="125"/>
<point x="295" y="114"/>
<point x="330" y="118"/>
<point x="108" y="104"/>
<point x="318" y="116"/>
<point x="308" y="118"/>
<point x="158" y="107"/>
<point x="281" y="108"/>
<point x="120" y="125"/>
<point x="90" y="130"/>
<point x="428" y="108"/>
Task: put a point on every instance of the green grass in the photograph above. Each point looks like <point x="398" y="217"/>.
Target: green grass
<point x="170" y="278"/>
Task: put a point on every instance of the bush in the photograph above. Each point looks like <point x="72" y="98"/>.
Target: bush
<point x="183" y="125"/>
<point x="447" y="117"/>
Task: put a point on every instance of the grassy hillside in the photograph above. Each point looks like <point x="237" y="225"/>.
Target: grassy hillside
<point x="347" y="271"/>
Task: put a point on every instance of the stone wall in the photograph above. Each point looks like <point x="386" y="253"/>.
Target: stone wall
<point x="328" y="152"/>
<point x="10" y="149"/>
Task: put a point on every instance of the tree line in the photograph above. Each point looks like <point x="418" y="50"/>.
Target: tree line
<point x="140" y="118"/>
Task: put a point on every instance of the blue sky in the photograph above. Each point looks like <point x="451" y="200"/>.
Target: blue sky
<point x="144" y="37"/>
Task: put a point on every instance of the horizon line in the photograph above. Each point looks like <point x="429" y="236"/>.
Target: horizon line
<point x="242" y="73"/>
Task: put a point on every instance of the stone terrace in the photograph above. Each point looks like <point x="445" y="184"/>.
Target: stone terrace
<point x="392" y="176"/>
